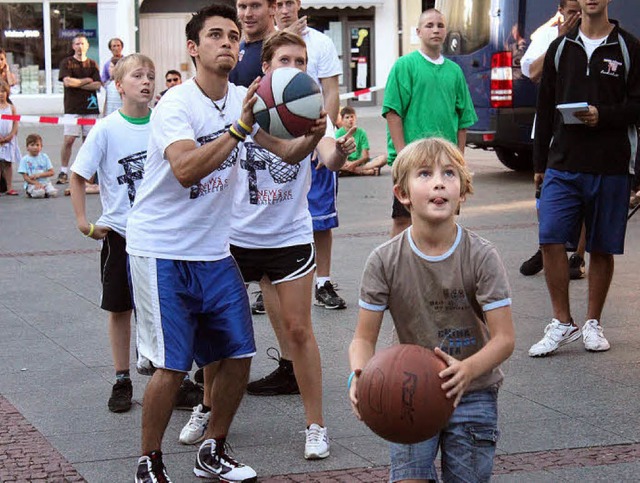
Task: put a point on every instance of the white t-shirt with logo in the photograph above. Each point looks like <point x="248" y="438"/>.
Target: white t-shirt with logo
<point x="116" y="149"/>
<point x="323" y="58"/>
<point x="172" y="222"/>
<point x="270" y="208"/>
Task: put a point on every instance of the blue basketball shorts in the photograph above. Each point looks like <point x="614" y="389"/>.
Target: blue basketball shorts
<point x="189" y="310"/>
<point x="600" y="201"/>
<point x="322" y="198"/>
<point x="467" y="443"/>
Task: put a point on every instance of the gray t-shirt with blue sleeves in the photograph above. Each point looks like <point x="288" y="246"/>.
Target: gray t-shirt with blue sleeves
<point x="439" y="301"/>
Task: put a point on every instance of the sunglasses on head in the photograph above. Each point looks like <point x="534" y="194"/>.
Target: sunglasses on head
<point x="173" y="79"/>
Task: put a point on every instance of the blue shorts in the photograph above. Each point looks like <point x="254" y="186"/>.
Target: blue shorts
<point x="322" y="198"/>
<point x="601" y="201"/>
<point x="189" y="310"/>
<point x="467" y="444"/>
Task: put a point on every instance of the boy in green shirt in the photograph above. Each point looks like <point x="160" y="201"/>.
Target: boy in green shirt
<point x="358" y="163"/>
<point x="426" y="96"/>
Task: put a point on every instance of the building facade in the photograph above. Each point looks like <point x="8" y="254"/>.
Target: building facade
<point x="36" y="34"/>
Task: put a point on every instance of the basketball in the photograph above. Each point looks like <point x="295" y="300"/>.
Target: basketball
<point x="399" y="394"/>
<point x="289" y="102"/>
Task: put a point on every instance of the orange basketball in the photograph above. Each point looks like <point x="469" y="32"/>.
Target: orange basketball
<point x="399" y="394"/>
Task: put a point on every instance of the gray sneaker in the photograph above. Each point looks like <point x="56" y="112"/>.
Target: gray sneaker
<point x="327" y="297"/>
<point x="556" y="334"/>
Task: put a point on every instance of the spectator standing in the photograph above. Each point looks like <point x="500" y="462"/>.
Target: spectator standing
<point x="565" y="20"/>
<point x="583" y="169"/>
<point x="425" y="78"/>
<point x="81" y="79"/>
<point x="171" y="79"/>
<point x="112" y="100"/>
<point x="5" y="70"/>
<point x="9" y="150"/>
<point x="115" y="46"/>
<point x="257" y="20"/>
<point x="36" y="169"/>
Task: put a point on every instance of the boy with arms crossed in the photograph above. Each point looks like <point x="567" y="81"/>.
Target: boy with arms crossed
<point x="425" y="78"/>
<point x="272" y="241"/>
<point x="439" y="280"/>
<point x="120" y="167"/>
<point x="190" y="298"/>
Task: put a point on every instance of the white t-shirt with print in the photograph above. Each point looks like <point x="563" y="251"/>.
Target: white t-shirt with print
<point x="270" y="208"/>
<point x="167" y="220"/>
<point x="116" y="149"/>
<point x="323" y="58"/>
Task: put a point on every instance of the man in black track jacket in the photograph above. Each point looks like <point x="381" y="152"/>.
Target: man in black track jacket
<point x="584" y="168"/>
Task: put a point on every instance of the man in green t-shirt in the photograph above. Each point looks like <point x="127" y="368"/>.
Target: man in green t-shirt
<point x="358" y="162"/>
<point x="426" y="96"/>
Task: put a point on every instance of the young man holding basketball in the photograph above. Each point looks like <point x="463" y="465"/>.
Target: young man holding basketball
<point x="272" y="241"/>
<point x="189" y="295"/>
<point x="447" y="289"/>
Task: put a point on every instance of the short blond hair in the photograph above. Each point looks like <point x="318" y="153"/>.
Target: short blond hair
<point x="426" y="153"/>
<point x="130" y="62"/>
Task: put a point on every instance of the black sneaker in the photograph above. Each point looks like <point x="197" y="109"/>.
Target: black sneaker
<point x="213" y="462"/>
<point x="533" y="265"/>
<point x="189" y="395"/>
<point x="576" y="267"/>
<point x="151" y="469"/>
<point x="63" y="178"/>
<point x="327" y="297"/>
<point x="121" y="394"/>
<point x="257" y="307"/>
<point x="280" y="381"/>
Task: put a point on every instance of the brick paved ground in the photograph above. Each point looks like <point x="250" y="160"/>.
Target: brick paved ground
<point x="25" y="455"/>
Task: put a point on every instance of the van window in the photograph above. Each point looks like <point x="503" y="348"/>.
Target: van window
<point x="468" y="25"/>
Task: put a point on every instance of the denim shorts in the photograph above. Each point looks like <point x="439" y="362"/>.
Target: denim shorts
<point x="467" y="444"/>
<point x="601" y="201"/>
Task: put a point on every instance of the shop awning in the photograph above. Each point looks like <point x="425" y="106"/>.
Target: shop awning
<point x="341" y="4"/>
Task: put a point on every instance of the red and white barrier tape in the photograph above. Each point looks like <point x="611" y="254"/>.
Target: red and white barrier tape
<point x="89" y="121"/>
<point x="351" y="95"/>
<point x="76" y="121"/>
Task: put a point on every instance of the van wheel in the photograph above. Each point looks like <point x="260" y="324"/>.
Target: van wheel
<point x="516" y="160"/>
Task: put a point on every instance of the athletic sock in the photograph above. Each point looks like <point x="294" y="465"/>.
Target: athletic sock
<point x="321" y="280"/>
<point x="206" y="409"/>
<point x="64" y="169"/>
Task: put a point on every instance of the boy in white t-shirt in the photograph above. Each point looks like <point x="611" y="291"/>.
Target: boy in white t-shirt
<point x="116" y="149"/>
<point x="191" y="302"/>
<point x="36" y="169"/>
<point x="272" y="241"/>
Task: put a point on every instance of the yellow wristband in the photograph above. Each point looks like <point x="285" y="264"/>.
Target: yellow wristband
<point x="236" y="134"/>
<point x="244" y="126"/>
<point x="91" y="228"/>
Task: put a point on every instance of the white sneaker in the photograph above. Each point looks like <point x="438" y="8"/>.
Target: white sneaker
<point x="556" y="334"/>
<point x="193" y="431"/>
<point x="593" y="337"/>
<point x="317" y="445"/>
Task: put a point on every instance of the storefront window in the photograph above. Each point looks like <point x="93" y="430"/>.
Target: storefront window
<point x="22" y="35"/>
<point x="67" y="21"/>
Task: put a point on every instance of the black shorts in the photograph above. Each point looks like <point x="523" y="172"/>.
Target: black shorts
<point x="398" y="210"/>
<point x="279" y="264"/>
<point x="116" y="294"/>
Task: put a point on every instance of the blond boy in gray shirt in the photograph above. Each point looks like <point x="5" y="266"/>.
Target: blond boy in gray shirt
<point x="447" y="289"/>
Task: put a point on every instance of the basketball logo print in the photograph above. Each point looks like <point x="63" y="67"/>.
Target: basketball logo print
<point x="289" y="102"/>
